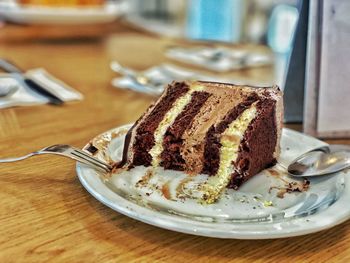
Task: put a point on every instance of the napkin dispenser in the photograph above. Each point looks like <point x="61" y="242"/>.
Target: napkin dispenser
<point x="317" y="84"/>
<point x="294" y="83"/>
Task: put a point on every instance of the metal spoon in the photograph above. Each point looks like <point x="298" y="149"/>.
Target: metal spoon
<point x="7" y="89"/>
<point x="321" y="161"/>
<point x="137" y="77"/>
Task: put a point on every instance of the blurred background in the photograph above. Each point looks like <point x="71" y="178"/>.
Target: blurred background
<point x="264" y="23"/>
<point x="270" y="23"/>
<point x="233" y="21"/>
<point x="106" y="48"/>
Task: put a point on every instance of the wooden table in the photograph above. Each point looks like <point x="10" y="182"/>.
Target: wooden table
<point x="45" y="213"/>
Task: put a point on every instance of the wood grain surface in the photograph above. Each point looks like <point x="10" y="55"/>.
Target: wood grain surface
<point x="45" y="213"/>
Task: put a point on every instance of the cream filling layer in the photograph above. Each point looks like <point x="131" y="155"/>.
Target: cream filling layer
<point x="230" y="141"/>
<point x="167" y="121"/>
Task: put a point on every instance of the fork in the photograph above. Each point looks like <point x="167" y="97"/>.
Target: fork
<point x="67" y="151"/>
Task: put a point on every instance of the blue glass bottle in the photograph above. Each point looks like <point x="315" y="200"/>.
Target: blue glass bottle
<point x="217" y="20"/>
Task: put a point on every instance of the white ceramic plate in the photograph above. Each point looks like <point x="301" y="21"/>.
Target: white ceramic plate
<point x="253" y="212"/>
<point x="13" y="12"/>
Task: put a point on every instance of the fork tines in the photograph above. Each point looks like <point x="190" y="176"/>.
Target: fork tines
<point x="85" y="156"/>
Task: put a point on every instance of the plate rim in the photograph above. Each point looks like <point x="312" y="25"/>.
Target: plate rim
<point x="61" y="15"/>
<point x="174" y="223"/>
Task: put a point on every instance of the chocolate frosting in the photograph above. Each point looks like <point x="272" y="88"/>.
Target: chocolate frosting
<point x="126" y="147"/>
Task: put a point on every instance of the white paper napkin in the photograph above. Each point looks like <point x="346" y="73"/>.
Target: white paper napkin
<point x="26" y="97"/>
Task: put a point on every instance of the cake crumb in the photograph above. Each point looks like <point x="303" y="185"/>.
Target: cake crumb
<point x="116" y="134"/>
<point x="273" y="172"/>
<point x="268" y="203"/>
<point x="145" y="179"/>
<point x="291" y="187"/>
<point x="166" y="191"/>
<point x="180" y="189"/>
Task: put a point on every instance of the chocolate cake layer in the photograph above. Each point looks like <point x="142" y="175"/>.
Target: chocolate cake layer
<point x="144" y="139"/>
<point x="171" y="157"/>
<point x="212" y="146"/>
<point x="256" y="151"/>
<point x="218" y="105"/>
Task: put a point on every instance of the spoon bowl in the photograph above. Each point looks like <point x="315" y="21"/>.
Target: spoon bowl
<point x="321" y="161"/>
<point x="7" y="90"/>
<point x="137" y="77"/>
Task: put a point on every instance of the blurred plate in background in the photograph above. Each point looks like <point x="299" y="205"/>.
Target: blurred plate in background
<point x="30" y="14"/>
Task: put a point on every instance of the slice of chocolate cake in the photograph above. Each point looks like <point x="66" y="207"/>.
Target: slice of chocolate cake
<point x="227" y="131"/>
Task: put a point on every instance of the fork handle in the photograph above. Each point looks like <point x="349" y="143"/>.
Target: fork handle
<point x="10" y="160"/>
<point x="71" y="156"/>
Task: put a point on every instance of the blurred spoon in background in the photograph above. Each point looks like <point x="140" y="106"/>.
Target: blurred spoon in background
<point x="142" y="82"/>
<point x="135" y="76"/>
<point x="7" y="89"/>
